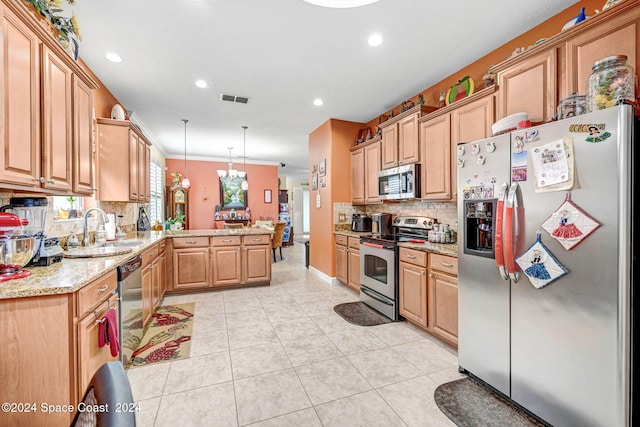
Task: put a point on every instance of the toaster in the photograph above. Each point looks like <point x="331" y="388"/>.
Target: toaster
<point x="360" y="222"/>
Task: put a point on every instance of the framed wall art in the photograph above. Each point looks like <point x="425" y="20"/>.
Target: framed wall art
<point x="314" y="181"/>
<point x="267" y="196"/>
<point x="322" y="169"/>
<point x="232" y="196"/>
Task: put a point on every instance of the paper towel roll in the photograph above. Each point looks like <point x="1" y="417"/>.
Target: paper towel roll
<point x="110" y="227"/>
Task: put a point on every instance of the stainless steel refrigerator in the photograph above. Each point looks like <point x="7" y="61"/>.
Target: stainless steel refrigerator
<point x="555" y="336"/>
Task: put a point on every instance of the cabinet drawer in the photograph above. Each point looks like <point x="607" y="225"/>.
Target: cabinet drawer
<point x="354" y="242"/>
<point x="413" y="256"/>
<point x="162" y="246"/>
<point x="96" y="292"/>
<point x="190" y="242"/>
<point x="444" y="263"/>
<point x="262" y="239"/>
<point x="226" y="241"/>
<point x="149" y="255"/>
<point x="342" y="240"/>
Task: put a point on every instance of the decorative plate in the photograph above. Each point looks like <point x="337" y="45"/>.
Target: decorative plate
<point x="460" y="90"/>
<point x="117" y="112"/>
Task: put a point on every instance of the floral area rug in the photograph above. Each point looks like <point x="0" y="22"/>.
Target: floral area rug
<point x="168" y="336"/>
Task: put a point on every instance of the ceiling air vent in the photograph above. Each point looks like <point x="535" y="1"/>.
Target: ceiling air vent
<point x="232" y="98"/>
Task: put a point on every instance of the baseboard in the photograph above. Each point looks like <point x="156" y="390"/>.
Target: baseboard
<point x="323" y="276"/>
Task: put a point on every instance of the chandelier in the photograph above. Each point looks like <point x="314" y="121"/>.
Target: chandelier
<point x="231" y="173"/>
<point x="185" y="182"/>
<point x="245" y="183"/>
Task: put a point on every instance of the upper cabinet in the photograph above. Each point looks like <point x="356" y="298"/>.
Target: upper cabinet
<point x="400" y="138"/>
<point x="123" y="162"/>
<point x="365" y="165"/>
<point x="46" y="113"/>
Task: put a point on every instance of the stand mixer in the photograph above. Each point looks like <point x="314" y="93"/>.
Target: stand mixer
<point x="16" y="247"/>
<point x="34" y="210"/>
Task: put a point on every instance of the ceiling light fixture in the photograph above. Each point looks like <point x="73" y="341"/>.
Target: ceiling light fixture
<point x="318" y="102"/>
<point x="340" y="3"/>
<point x="113" y="57"/>
<point x="185" y="181"/>
<point x="243" y="175"/>
<point x="202" y="84"/>
<point x="375" y="40"/>
<point x="232" y="173"/>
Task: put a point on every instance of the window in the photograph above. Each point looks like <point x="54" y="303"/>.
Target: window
<point x="67" y="207"/>
<point x="156" y="211"/>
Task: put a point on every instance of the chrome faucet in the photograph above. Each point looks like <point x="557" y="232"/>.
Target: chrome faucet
<point x="85" y="229"/>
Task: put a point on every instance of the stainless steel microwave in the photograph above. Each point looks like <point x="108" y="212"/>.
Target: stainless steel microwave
<point x="402" y="182"/>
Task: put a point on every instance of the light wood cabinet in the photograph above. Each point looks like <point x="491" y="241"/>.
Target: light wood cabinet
<point x="191" y="263"/>
<point x="354" y="264"/>
<point x="83" y="146"/>
<point x="443" y="298"/>
<point x="153" y="277"/>
<point x="400" y="139"/>
<point x="38" y="115"/>
<point x="226" y="261"/>
<point x="123" y="162"/>
<point x="365" y="165"/>
<point x="413" y="286"/>
<point x="342" y="258"/>
<point x="441" y="132"/>
<point x="529" y="86"/>
<point x="256" y="259"/>
<point x="389" y="146"/>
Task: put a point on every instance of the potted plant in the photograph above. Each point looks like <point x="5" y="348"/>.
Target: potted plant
<point x="176" y="223"/>
<point x="73" y="213"/>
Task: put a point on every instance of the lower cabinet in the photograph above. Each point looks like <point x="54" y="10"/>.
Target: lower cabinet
<point x="191" y="256"/>
<point x="256" y="259"/>
<point x="347" y="251"/>
<point x="429" y="293"/>
<point x="413" y="286"/>
<point x="153" y="278"/>
<point x="226" y="261"/>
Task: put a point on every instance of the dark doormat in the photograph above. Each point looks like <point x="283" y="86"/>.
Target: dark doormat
<point x="360" y="314"/>
<point x="468" y="403"/>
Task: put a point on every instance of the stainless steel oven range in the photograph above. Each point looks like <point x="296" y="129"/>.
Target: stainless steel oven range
<point x="379" y="263"/>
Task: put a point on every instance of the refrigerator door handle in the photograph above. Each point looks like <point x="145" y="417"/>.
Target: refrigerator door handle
<point x="499" y="252"/>
<point x="510" y="262"/>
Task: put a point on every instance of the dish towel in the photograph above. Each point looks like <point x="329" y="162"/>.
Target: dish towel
<point x="108" y="332"/>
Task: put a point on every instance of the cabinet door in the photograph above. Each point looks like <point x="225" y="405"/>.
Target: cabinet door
<point x="113" y="172"/>
<point x="161" y="277"/>
<point x="584" y="49"/>
<point x="20" y="109"/>
<point x="147" y="294"/>
<point x="435" y="138"/>
<point x="443" y="307"/>
<point x="473" y="121"/>
<point x="354" y="270"/>
<point x="389" y="146"/>
<point x="342" y="264"/>
<point x="190" y="268"/>
<point x="56" y="122"/>
<point x="372" y="167"/>
<point x="357" y="176"/>
<point x="90" y="355"/>
<point x="529" y="86"/>
<point x="408" y="145"/>
<point x="413" y="293"/>
<point x="134" y="141"/>
<point x="257" y="264"/>
<point x="82" y="138"/>
<point x="226" y="267"/>
<point x="142" y="171"/>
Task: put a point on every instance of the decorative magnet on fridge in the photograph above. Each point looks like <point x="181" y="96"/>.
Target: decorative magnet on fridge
<point x="539" y="264"/>
<point x="569" y="224"/>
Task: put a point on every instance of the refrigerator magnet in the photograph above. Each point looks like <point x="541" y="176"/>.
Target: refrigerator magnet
<point x="539" y="264"/>
<point x="460" y="150"/>
<point x="569" y="224"/>
<point x="475" y="148"/>
<point x="481" y="159"/>
<point x="490" y="146"/>
<point x="461" y="163"/>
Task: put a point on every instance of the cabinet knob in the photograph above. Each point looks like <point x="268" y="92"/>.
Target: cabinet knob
<point x="40" y="180"/>
<point x="50" y="181"/>
<point x="430" y="274"/>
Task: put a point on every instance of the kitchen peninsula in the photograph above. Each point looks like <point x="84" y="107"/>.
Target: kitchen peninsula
<point x="49" y="319"/>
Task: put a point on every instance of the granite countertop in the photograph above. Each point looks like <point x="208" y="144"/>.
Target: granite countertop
<point x="449" y="249"/>
<point x="73" y="273"/>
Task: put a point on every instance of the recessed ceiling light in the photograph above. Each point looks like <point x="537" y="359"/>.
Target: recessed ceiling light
<point x="202" y="84"/>
<point x="318" y="102"/>
<point x="375" y="40"/>
<point x="341" y="3"/>
<point x="113" y="57"/>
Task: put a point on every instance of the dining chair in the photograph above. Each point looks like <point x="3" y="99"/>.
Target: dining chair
<point x="109" y="388"/>
<point x="276" y="239"/>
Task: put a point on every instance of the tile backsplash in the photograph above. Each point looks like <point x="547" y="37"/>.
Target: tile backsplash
<point x="444" y="212"/>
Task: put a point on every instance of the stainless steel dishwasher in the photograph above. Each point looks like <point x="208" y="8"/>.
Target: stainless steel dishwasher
<point x="130" y="285"/>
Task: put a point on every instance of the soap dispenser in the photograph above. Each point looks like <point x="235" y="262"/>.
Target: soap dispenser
<point x="72" y="241"/>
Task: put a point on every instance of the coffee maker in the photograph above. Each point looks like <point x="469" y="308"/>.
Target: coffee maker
<point x="34" y="210"/>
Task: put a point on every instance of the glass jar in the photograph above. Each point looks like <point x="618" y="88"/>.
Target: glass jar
<point x="612" y="80"/>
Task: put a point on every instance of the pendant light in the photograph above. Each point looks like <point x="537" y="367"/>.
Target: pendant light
<point x="185" y="182"/>
<point x="245" y="183"/>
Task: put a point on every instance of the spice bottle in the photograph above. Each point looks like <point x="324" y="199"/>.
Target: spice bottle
<point x="612" y="80"/>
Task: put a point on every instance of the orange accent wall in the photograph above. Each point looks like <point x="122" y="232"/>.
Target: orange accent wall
<point x="479" y="68"/>
<point x="103" y="99"/>
<point x="330" y="142"/>
<point x="204" y="194"/>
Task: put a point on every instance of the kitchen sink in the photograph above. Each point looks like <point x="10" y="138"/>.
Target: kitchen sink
<point x="123" y="243"/>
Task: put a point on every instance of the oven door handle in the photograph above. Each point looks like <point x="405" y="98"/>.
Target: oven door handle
<point x="375" y="297"/>
<point x="373" y="245"/>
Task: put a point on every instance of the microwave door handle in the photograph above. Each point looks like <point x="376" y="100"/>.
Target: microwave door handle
<point x="499" y="252"/>
<point x="509" y="241"/>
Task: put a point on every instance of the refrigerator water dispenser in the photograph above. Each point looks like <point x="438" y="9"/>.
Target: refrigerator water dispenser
<point x="479" y="227"/>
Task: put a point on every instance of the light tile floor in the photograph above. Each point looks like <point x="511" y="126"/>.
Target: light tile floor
<point x="280" y="356"/>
